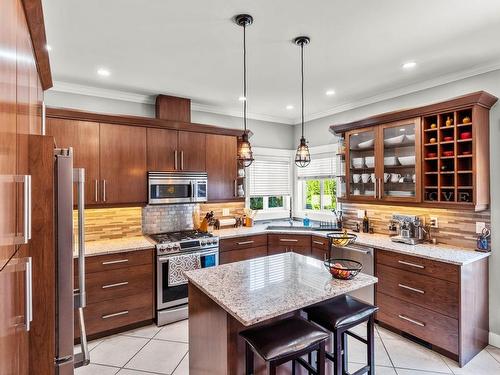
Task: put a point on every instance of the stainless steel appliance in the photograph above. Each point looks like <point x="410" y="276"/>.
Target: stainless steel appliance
<point x="177" y="187"/>
<point x="363" y="255"/>
<point x="171" y="301"/>
<point x="68" y="299"/>
<point x="410" y="229"/>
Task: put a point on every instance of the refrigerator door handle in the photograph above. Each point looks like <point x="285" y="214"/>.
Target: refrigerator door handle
<point x="29" y="294"/>
<point x="81" y="359"/>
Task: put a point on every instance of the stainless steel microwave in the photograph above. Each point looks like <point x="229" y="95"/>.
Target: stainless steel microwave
<point x="177" y="187"/>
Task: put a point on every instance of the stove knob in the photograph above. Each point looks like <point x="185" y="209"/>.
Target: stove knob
<point x="203" y="243"/>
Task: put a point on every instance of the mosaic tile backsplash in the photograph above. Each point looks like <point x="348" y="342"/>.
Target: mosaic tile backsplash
<point x="455" y="227"/>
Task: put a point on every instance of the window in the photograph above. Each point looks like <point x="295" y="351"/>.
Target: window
<point x="269" y="183"/>
<point x="317" y="186"/>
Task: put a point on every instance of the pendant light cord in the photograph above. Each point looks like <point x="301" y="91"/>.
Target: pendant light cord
<point x="245" y="77"/>
<point x="302" y="78"/>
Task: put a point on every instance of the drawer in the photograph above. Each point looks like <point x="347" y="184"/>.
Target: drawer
<point x="116" y="313"/>
<point x="108" y="262"/>
<point x="289" y="241"/>
<point x="123" y="282"/>
<point x="439" y="270"/>
<point x="438" y="295"/>
<point x="319" y="254"/>
<point x="319" y="243"/>
<point x="242" y="254"/>
<point x="244" y="242"/>
<point x="435" y="328"/>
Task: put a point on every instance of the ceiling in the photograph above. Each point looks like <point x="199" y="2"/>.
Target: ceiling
<point x="192" y="48"/>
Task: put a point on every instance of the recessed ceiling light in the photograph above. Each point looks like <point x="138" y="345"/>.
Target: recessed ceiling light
<point x="289" y="107"/>
<point x="242" y="98"/>
<point x="48" y="47"/>
<point x="330" y="92"/>
<point x="409" y="65"/>
<point x="104" y="72"/>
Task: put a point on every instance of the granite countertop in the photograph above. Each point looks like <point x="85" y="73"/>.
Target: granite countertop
<point x="115" y="245"/>
<point x="443" y="253"/>
<point x="256" y="290"/>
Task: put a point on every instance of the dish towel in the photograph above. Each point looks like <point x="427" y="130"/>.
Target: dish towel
<point x="177" y="265"/>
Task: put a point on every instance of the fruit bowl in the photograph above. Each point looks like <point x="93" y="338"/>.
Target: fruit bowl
<point x="341" y="239"/>
<point x="343" y="269"/>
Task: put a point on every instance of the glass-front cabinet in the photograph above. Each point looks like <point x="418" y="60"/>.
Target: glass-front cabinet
<point x="384" y="162"/>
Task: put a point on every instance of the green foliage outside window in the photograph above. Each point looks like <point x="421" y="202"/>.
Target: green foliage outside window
<point x="274" y="202"/>
<point x="313" y="194"/>
<point x="256" y="203"/>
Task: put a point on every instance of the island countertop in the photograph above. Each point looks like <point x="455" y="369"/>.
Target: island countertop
<point x="256" y="290"/>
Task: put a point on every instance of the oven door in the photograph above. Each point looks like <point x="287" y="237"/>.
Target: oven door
<point x="162" y="191"/>
<point x="171" y="296"/>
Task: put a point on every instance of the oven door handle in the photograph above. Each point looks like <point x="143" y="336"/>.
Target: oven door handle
<point x="167" y="257"/>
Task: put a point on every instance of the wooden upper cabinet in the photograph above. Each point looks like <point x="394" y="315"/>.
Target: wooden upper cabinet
<point x="123" y="164"/>
<point x="162" y="149"/>
<point x="83" y="137"/>
<point x="222" y="167"/>
<point x="192" y="148"/>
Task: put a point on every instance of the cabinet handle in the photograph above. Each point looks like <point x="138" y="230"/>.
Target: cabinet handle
<point x="28" y="315"/>
<point x="235" y="188"/>
<point x="375" y="189"/>
<point x="114" y="261"/>
<point x="411" y="264"/>
<point x="324" y="256"/>
<point x="380" y="188"/>
<point x="182" y="160"/>
<point x="412" y="289"/>
<point x="288" y="240"/>
<point x="96" y="188"/>
<point x="411" y="320"/>
<point x="124" y="312"/>
<point x="318" y="243"/>
<point x="245" y="242"/>
<point x="114" y="285"/>
<point x="104" y="190"/>
<point x="175" y="160"/>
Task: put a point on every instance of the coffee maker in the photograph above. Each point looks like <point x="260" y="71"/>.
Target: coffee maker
<point x="410" y="229"/>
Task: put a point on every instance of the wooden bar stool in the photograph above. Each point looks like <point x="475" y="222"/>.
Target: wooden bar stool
<point x="283" y="341"/>
<point x="338" y="316"/>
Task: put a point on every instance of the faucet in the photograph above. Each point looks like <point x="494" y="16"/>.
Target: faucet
<point x="290" y="218"/>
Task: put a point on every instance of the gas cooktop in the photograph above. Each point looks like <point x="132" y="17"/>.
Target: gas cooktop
<point x="185" y="235"/>
<point x="184" y="241"/>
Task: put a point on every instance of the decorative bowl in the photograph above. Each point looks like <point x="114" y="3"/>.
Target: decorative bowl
<point x="447" y="139"/>
<point x="366" y="144"/>
<point x="448" y="153"/>
<point x="407" y="160"/>
<point x="394" y="140"/>
<point x="343" y="269"/>
<point x="432" y="154"/>
<point x="465" y="135"/>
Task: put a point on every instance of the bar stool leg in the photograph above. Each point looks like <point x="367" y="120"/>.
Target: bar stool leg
<point x="321" y="359"/>
<point x="344" y="353"/>
<point x="271" y="368"/>
<point x="293" y="366"/>
<point x="337" y="350"/>
<point x="248" y="359"/>
<point x="371" y="345"/>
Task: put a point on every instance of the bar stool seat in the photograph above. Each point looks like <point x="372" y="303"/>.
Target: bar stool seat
<point x="285" y="340"/>
<point x="340" y="312"/>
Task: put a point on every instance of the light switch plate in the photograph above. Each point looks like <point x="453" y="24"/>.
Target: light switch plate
<point x="433" y="222"/>
<point x="361" y="214"/>
<point x="480" y="225"/>
<point x="225" y="212"/>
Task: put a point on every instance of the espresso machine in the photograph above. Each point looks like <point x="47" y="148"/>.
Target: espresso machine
<point x="408" y="229"/>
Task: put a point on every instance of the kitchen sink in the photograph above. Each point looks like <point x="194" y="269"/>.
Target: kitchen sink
<point x="301" y="228"/>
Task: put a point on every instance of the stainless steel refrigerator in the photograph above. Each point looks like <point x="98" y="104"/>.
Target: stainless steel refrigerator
<point x="69" y="299"/>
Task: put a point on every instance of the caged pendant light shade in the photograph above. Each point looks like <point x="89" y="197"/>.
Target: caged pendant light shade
<point x="302" y="156"/>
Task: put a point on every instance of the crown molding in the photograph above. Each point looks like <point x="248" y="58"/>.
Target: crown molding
<point x="391" y="94"/>
<point x="74" y="88"/>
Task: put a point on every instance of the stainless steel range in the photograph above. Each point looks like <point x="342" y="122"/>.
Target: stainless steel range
<point x="175" y="252"/>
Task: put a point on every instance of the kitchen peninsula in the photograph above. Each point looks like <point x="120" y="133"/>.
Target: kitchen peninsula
<point x="227" y="299"/>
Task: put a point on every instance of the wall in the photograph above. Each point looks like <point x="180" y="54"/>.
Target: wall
<point x="318" y="134"/>
<point x="266" y="134"/>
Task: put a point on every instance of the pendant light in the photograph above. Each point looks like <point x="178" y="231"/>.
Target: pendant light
<point x="302" y="156"/>
<point x="245" y="155"/>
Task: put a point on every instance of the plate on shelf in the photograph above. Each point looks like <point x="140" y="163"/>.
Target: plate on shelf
<point x="399" y="193"/>
<point x="394" y="140"/>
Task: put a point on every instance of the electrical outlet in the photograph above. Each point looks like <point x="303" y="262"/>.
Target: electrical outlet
<point x="225" y="212"/>
<point x="361" y="214"/>
<point x="480" y="225"/>
<point x="433" y="222"/>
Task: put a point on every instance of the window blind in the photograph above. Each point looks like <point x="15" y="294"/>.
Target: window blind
<point x="320" y="167"/>
<point x="269" y="177"/>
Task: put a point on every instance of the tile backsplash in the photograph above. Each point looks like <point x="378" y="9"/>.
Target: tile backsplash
<point x="167" y="218"/>
<point x="455" y="227"/>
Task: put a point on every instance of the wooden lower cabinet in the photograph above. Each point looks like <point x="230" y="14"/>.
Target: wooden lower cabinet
<point x="242" y="254"/>
<point x="319" y="247"/>
<point x="448" y="309"/>
<point x="120" y="291"/>
<point x="242" y="248"/>
<point x="282" y="243"/>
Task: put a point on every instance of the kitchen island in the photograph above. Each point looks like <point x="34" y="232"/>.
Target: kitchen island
<point x="226" y="299"/>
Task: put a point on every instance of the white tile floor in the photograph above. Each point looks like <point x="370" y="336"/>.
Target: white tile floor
<point x="153" y="350"/>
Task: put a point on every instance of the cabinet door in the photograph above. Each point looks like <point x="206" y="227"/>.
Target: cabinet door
<point x="192" y="151"/>
<point x="282" y="243"/>
<point x="84" y="138"/>
<point x="361" y="159"/>
<point x="162" y="149"/>
<point x="400" y="173"/>
<point x="123" y="164"/>
<point x="242" y="254"/>
<point x="221" y="167"/>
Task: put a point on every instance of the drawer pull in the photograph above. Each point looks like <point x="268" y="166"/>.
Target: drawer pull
<point x="125" y="312"/>
<point x="412" y="289"/>
<point x="318" y="243"/>
<point x="411" y="320"/>
<point x="411" y="264"/>
<point x="114" y="285"/>
<point x="288" y="240"/>
<point x="114" y="262"/>
<point x="245" y="242"/>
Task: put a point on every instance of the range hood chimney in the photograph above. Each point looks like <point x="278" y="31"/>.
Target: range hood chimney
<point x="173" y="108"/>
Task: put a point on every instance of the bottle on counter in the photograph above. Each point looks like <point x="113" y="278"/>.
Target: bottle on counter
<point x="366" y="224"/>
<point x="306" y="221"/>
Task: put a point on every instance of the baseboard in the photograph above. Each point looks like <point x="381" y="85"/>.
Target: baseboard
<point x="494" y="339"/>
